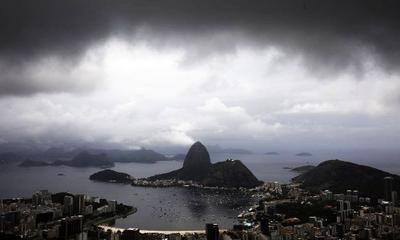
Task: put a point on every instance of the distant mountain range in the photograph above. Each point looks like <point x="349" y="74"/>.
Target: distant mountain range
<point x="82" y="159"/>
<point x="16" y="153"/>
<point x="339" y="176"/>
<point x="9" y="157"/>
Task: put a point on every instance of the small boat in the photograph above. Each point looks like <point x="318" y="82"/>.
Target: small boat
<point x="60" y="174"/>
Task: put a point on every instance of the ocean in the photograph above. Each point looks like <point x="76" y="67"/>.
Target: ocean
<point x="176" y="208"/>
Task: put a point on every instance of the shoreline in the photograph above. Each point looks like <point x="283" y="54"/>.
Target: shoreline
<point x="181" y="232"/>
<point x="118" y="216"/>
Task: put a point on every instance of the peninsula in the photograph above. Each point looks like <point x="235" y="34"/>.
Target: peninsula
<point x="198" y="168"/>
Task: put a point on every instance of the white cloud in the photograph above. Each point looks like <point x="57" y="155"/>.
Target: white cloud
<point x="145" y="96"/>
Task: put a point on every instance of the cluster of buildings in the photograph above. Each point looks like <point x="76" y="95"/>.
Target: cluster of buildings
<point x="52" y="216"/>
<point x="164" y="183"/>
<point x="143" y="182"/>
<point x="342" y="215"/>
<point x="284" y="212"/>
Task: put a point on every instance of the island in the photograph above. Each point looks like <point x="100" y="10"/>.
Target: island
<point x="198" y="168"/>
<point x="339" y="176"/>
<point x="112" y="176"/>
<point x="271" y="153"/>
<point x="304" y="154"/>
<point x="303" y="169"/>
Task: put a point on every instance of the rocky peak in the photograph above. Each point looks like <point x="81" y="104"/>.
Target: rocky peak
<point x="197" y="158"/>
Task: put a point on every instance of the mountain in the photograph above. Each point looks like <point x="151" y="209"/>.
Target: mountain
<point x="57" y="153"/>
<point x="197" y="161"/>
<point x="85" y="159"/>
<point x="111" y="176"/>
<point x="302" y="169"/>
<point x="31" y="163"/>
<point x="304" y="154"/>
<point x="141" y="156"/>
<point x="9" y="157"/>
<point x="82" y="159"/>
<point x="20" y="151"/>
<point x="231" y="173"/>
<point x="339" y="176"/>
<point x="197" y="167"/>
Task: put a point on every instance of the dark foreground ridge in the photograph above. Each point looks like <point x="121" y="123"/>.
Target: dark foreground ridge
<point x="197" y="167"/>
<point x="339" y="176"/>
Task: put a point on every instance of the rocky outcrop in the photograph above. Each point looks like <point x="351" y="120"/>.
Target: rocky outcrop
<point x="232" y="174"/>
<point x="197" y="167"/>
<point x="197" y="162"/>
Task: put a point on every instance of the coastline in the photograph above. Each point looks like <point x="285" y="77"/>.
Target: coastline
<point x="97" y="222"/>
<point x="181" y="232"/>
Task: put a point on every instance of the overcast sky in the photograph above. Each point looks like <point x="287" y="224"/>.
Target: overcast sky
<point x="253" y="74"/>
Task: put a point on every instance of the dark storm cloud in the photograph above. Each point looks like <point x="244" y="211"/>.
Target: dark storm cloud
<point x="330" y="35"/>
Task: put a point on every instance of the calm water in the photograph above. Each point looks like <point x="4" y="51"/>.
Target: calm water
<point x="174" y="208"/>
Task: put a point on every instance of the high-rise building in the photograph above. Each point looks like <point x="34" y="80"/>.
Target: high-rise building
<point x="68" y="205"/>
<point x="79" y="204"/>
<point x="349" y="195"/>
<point x="41" y="197"/>
<point x="70" y="227"/>
<point x="355" y="196"/>
<point x="394" y="198"/>
<point x="388" y="188"/>
<point x="113" y="205"/>
<point x="212" y="231"/>
<point x="344" y="210"/>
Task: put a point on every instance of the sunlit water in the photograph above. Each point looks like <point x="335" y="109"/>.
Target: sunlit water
<point x="174" y="208"/>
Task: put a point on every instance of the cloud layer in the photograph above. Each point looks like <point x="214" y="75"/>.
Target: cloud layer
<point x="330" y="36"/>
<point x="254" y="73"/>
